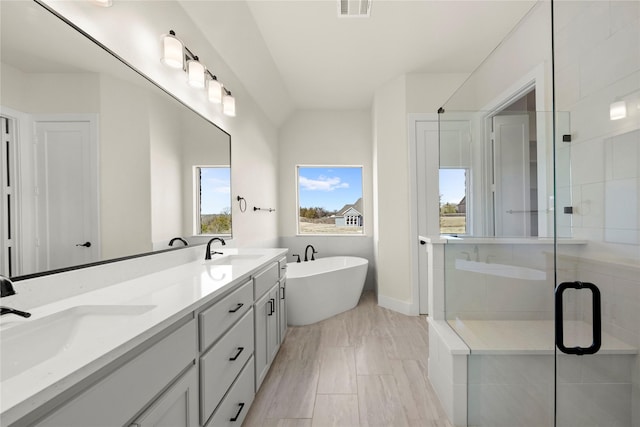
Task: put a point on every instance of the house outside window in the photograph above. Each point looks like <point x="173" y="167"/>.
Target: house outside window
<point x="330" y="200"/>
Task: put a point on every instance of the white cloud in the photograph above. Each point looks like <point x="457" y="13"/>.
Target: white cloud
<point x="323" y="183"/>
<point x="216" y="185"/>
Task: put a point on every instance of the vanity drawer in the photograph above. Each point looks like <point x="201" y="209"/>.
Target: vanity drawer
<point x="215" y="320"/>
<point x="235" y="406"/>
<point x="264" y="280"/>
<point x="282" y="264"/>
<point x="220" y="366"/>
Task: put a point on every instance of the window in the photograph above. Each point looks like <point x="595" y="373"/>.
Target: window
<point x="213" y="199"/>
<point x="330" y="200"/>
<point x="453" y="201"/>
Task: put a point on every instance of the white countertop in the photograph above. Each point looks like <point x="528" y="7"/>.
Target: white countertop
<point x="157" y="300"/>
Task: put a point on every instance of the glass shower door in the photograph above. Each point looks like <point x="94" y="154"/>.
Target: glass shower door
<point x="596" y="53"/>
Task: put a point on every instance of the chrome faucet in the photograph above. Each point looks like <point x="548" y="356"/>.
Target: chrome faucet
<point x="207" y="254"/>
<point x="179" y="239"/>
<point x="313" y="252"/>
<point x="476" y="251"/>
<point x="6" y="290"/>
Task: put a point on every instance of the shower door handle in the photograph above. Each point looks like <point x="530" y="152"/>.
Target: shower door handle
<point x="597" y="319"/>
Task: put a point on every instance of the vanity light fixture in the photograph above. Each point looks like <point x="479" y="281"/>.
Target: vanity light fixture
<point x="618" y="110"/>
<point x="214" y="89"/>
<point x="228" y="103"/>
<point x="172" y="51"/>
<point x="176" y="54"/>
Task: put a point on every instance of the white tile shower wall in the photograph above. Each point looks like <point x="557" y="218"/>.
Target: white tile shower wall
<point x="597" y="51"/>
<point x="619" y="285"/>
<point x="518" y="390"/>
<point x="511" y="390"/>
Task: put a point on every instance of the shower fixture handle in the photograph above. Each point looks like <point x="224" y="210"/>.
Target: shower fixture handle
<point x="597" y="318"/>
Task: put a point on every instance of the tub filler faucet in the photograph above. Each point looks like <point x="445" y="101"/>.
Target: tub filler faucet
<point x="207" y="255"/>
<point x="313" y="252"/>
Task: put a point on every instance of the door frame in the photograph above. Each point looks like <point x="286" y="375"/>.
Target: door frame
<point x="433" y="227"/>
<point x="534" y="79"/>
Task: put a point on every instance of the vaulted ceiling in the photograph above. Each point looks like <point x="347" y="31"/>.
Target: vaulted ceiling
<point x="299" y="54"/>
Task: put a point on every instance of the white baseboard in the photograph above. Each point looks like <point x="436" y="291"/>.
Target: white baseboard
<point x="402" y="307"/>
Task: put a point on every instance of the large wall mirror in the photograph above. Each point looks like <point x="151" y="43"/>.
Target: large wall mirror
<point x="98" y="163"/>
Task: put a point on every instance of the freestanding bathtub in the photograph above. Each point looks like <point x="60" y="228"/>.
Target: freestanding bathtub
<point x="317" y="290"/>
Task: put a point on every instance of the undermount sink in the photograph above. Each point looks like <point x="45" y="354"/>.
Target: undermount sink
<point x="28" y="343"/>
<point x="235" y="259"/>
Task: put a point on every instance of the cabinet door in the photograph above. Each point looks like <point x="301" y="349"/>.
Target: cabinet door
<point x="177" y="407"/>
<point x="282" y="315"/>
<point x="131" y="387"/>
<point x="273" y="326"/>
<point x="261" y="312"/>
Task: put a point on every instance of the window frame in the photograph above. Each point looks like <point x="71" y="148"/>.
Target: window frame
<point x="297" y="168"/>
<point x="197" y="193"/>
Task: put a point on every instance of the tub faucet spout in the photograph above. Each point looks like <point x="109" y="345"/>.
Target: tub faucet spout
<point x="207" y="255"/>
<point x="313" y="252"/>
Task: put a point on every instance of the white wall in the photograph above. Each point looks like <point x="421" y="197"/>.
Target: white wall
<point x="134" y="30"/>
<point x="165" y="151"/>
<point x="392" y="239"/>
<point x="124" y="169"/>
<point x="394" y="243"/>
<point x="315" y="137"/>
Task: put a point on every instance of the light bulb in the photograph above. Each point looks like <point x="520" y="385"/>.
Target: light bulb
<point x="229" y="105"/>
<point x="172" y="51"/>
<point x="195" y="72"/>
<point x="214" y="90"/>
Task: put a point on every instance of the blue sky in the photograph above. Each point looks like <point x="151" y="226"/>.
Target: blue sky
<point x="216" y="189"/>
<point x="329" y="187"/>
<point x="452" y="185"/>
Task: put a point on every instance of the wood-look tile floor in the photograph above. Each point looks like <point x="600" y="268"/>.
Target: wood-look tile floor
<point x="364" y="367"/>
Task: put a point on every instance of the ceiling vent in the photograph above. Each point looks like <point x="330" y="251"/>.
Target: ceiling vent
<point x="354" y="8"/>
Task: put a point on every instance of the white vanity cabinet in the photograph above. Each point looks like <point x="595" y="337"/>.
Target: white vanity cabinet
<point x="200" y="369"/>
<point x="122" y="395"/>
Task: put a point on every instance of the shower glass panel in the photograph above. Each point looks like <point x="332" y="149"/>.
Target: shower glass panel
<point x="499" y="278"/>
<point x="597" y="80"/>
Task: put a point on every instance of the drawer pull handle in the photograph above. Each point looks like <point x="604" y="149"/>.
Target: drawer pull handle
<point x="237" y="308"/>
<point x="234" y="419"/>
<point x="270" y="307"/>
<point x="240" y="349"/>
<point x="282" y="289"/>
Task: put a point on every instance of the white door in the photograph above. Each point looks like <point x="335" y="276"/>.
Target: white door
<point x="512" y="189"/>
<point x="67" y="211"/>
